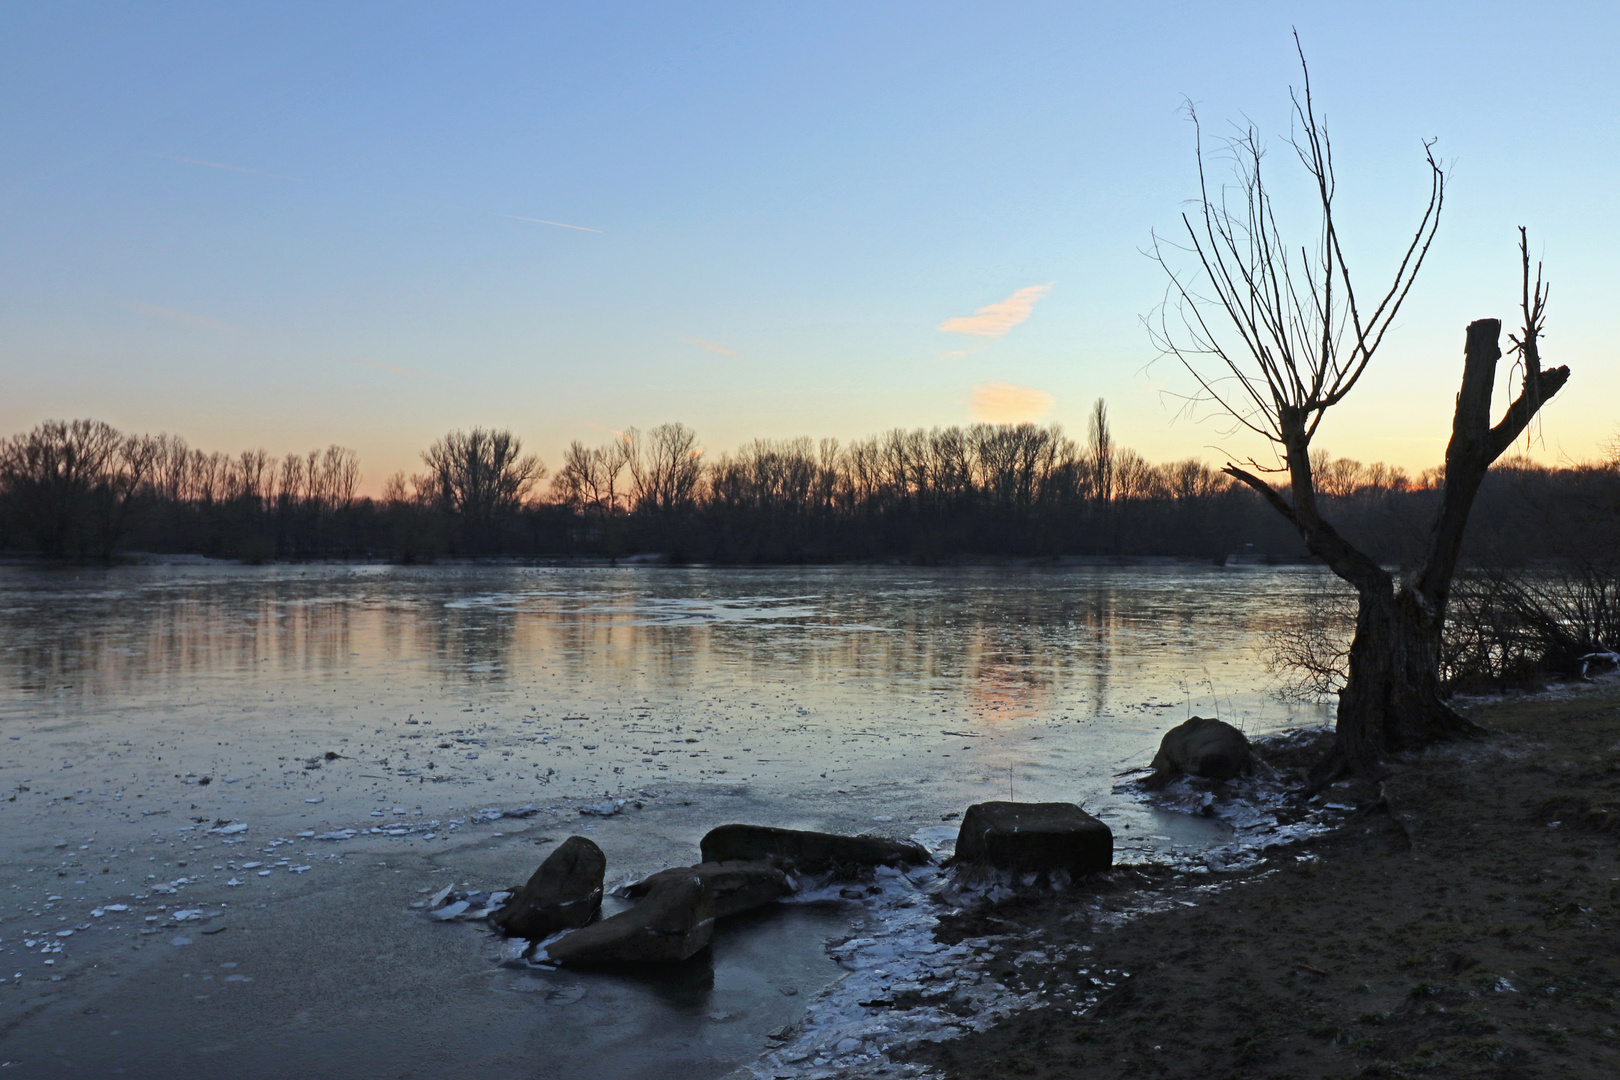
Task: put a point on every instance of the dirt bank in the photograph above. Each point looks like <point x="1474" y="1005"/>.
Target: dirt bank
<point x="1464" y="925"/>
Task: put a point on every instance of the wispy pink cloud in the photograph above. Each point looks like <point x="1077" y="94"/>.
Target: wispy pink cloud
<point x="710" y="346"/>
<point x="1004" y="403"/>
<point x="615" y="432"/>
<point x="543" y="221"/>
<point x="227" y="168"/>
<point x="179" y="318"/>
<point x="994" y="320"/>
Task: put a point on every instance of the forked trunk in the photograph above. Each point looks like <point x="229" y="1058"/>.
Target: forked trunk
<point x="1393" y="700"/>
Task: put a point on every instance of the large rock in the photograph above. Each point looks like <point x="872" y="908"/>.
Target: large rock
<point x="1034" y="836"/>
<point x="672" y="923"/>
<point x="565" y="892"/>
<point x="808" y="852"/>
<point x="735" y="886"/>
<point x="1203" y="747"/>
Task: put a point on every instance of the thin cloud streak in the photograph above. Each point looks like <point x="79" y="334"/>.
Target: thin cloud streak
<point x="179" y="318"/>
<point x="994" y="320"/>
<point x="543" y="221"/>
<point x="711" y="346"/>
<point x="1004" y="403"/>
<point x="227" y="168"/>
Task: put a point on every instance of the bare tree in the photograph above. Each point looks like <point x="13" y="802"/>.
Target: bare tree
<point x="1275" y="335"/>
<point x="72" y="484"/>
<point x="665" y="468"/>
<point x="588" y="480"/>
<point x="481" y="477"/>
<point x="1100" y="454"/>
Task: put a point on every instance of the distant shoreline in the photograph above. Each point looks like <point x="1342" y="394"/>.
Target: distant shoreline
<point x="147" y="559"/>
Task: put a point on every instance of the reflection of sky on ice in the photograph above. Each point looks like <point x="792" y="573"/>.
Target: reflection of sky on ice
<point x="850" y="699"/>
<point x="829" y="693"/>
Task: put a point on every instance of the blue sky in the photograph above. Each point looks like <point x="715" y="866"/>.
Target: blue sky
<point x="285" y="225"/>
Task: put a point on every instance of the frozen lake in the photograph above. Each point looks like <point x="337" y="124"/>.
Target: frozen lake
<point x="144" y="706"/>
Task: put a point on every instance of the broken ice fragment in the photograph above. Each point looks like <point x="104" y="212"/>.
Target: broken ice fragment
<point x="230" y="830"/>
<point x="445" y="914"/>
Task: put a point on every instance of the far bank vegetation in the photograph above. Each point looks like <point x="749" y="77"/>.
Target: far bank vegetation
<point x="1547" y="541"/>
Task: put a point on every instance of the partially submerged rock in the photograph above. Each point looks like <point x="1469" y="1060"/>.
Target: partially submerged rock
<point x="735" y="886"/>
<point x="1034" y="836"/>
<point x="1203" y="747"/>
<point x="672" y="923"/>
<point x="564" y="893"/>
<point x="808" y="852"/>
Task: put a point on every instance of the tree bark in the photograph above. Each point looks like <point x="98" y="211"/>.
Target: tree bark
<point x="1393" y="699"/>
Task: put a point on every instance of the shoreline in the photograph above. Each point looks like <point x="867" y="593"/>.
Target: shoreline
<point x="1459" y="923"/>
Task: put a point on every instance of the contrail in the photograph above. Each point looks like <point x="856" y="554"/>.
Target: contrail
<point x="543" y="221"/>
<point x="229" y="168"/>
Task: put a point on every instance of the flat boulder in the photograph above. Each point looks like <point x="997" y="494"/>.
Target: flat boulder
<point x="564" y="893"/>
<point x="1203" y="747"/>
<point x="808" y="852"/>
<point x="673" y="922"/>
<point x="735" y="886"/>
<point x="1034" y="836"/>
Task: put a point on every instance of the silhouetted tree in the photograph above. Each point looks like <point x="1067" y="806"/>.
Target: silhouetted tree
<point x="665" y="468"/>
<point x="1276" y="335"/>
<point x="481" y="478"/>
<point x="71" y="486"/>
<point x="1100" y="454"/>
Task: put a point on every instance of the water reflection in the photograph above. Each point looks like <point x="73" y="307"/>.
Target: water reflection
<point x="1013" y="643"/>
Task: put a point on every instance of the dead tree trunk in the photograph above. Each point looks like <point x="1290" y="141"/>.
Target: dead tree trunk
<point x="1392" y="699"/>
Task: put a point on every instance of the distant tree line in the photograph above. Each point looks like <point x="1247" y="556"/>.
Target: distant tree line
<point x="82" y="490"/>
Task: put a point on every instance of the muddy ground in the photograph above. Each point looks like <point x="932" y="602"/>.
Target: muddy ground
<point x="1463" y="924"/>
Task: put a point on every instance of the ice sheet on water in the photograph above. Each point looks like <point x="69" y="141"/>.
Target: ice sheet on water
<point x="1254" y="807"/>
<point x="470" y="905"/>
<point x="938" y="840"/>
<point x="495" y="814"/>
<point x="851" y="1027"/>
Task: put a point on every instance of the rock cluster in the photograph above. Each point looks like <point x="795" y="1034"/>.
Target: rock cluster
<point x="747" y="866"/>
<point x="673" y="922"/>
